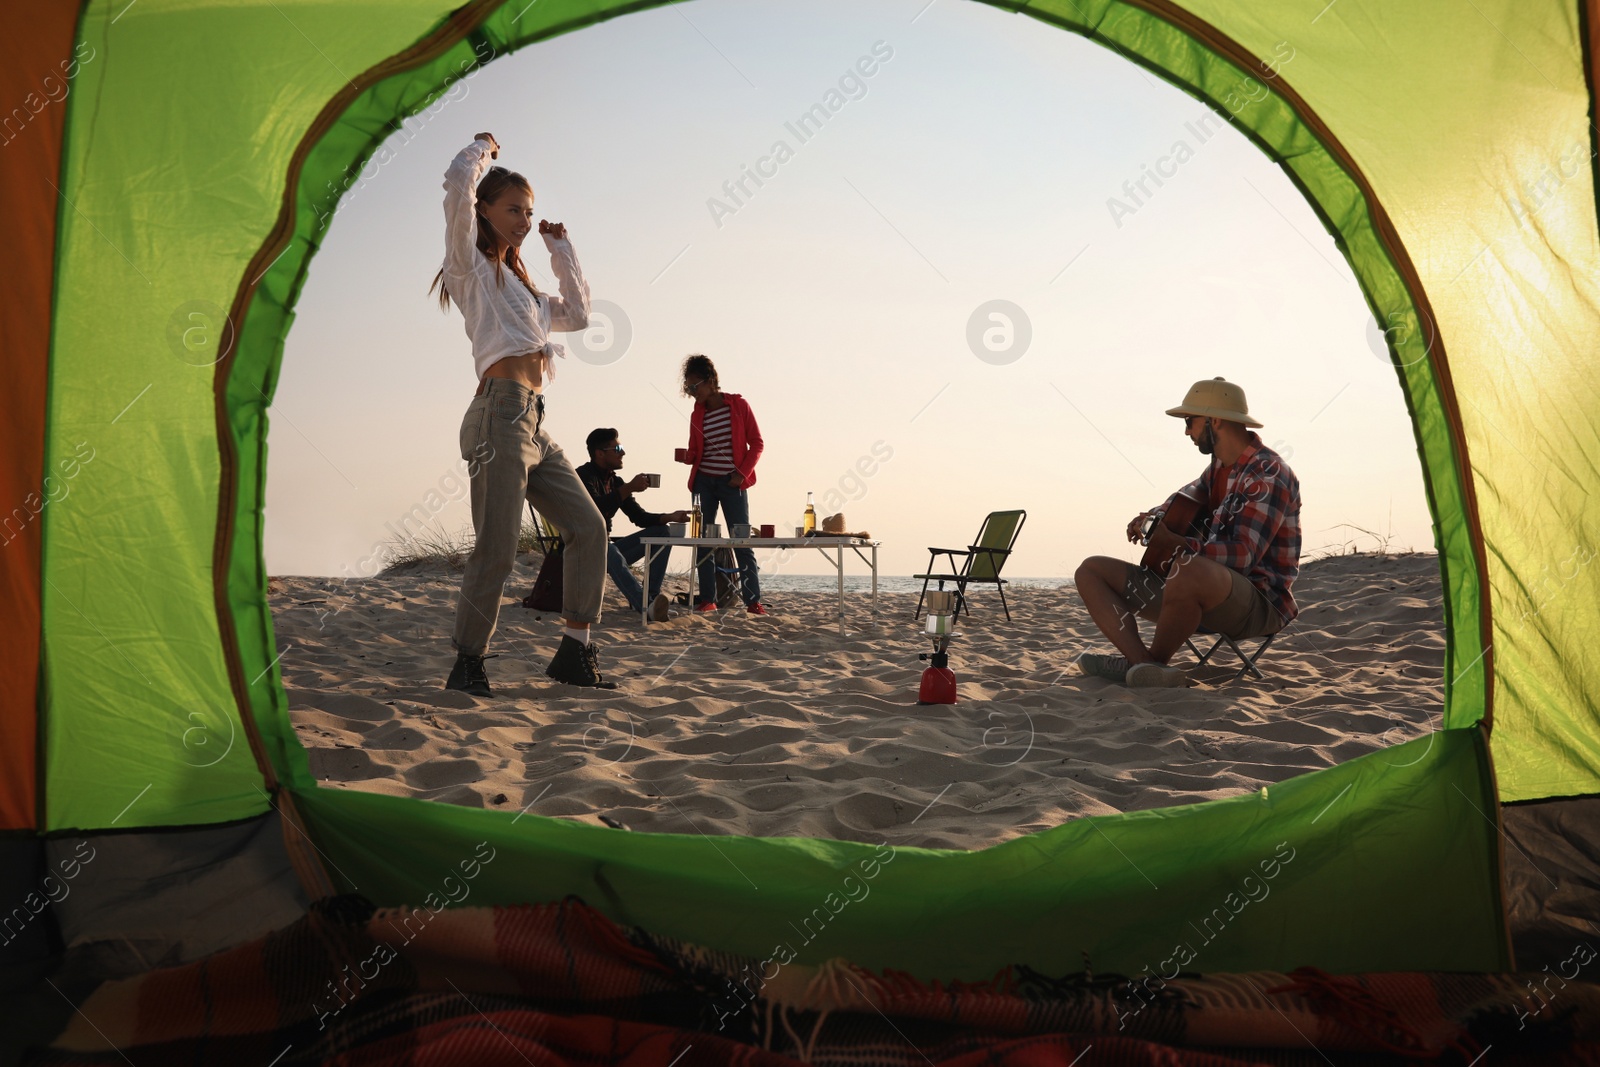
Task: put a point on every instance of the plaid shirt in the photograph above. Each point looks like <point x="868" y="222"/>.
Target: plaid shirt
<point x="1256" y="531"/>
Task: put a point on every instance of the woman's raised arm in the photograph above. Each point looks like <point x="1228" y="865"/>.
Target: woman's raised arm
<point x="461" y="203"/>
<point x="571" y="310"/>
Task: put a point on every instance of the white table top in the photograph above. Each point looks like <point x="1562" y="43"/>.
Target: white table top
<point x="830" y="540"/>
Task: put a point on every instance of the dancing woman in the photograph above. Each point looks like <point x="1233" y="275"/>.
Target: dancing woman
<point x="510" y="458"/>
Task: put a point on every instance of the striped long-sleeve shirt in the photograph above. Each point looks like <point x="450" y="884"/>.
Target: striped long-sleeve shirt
<point x="718" y="430"/>
<point x="745" y="441"/>
<point x="1255" y="529"/>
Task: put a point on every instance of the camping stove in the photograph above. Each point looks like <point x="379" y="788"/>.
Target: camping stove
<point x="938" y="681"/>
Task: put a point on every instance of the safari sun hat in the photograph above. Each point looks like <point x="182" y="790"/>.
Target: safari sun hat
<point x="1215" y="398"/>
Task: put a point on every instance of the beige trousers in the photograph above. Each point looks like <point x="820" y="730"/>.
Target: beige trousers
<point x="510" y="459"/>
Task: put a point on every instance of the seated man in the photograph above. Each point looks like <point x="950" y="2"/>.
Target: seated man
<point x="610" y="494"/>
<point x="1230" y="571"/>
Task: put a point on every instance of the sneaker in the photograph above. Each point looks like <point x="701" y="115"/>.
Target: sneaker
<point x="1156" y="676"/>
<point x="469" y="676"/>
<point x="757" y="609"/>
<point x="577" y="664"/>
<point x="709" y="605"/>
<point x="658" y="608"/>
<point x="1101" y="665"/>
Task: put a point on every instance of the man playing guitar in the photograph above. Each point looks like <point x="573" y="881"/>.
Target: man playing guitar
<point x="1221" y="553"/>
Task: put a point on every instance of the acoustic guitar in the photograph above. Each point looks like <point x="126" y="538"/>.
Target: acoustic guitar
<point x="1186" y="518"/>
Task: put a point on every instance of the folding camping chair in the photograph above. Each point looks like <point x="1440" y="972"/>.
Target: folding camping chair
<point x="544" y="534"/>
<point x="982" y="561"/>
<point x="1249" y="661"/>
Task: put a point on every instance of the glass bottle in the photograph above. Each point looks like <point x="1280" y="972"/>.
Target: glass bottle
<point x="694" y="517"/>
<point x="811" y="514"/>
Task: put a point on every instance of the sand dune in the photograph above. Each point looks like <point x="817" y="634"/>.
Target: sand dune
<point x="795" y="725"/>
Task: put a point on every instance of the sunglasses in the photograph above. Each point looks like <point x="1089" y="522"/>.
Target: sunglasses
<point x="618" y="449"/>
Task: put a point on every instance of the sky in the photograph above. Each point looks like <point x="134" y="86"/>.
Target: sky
<point x="950" y="297"/>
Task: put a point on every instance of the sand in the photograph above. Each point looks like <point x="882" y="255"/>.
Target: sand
<point x="792" y="724"/>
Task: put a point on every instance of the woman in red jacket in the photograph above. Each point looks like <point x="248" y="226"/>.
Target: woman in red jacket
<point x="724" y="444"/>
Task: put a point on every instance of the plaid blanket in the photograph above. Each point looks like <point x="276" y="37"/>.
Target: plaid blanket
<point x="561" y="984"/>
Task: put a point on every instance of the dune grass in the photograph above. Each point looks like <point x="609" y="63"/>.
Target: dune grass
<point x="436" y="549"/>
<point x="1354" y="544"/>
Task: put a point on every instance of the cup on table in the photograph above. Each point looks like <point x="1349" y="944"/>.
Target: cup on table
<point x="677" y="529"/>
<point x="768" y="530"/>
<point x="653" y="480"/>
<point x="799" y="531"/>
<point x="680" y="455"/>
<point x="741" y="530"/>
<point x="713" y="529"/>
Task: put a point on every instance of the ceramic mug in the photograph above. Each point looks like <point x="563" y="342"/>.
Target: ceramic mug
<point x="741" y="530"/>
<point x="653" y="480"/>
<point x="768" y="530"/>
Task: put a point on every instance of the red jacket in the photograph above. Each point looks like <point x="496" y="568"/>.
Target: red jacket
<point x="747" y="443"/>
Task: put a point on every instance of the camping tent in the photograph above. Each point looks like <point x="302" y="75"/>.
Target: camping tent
<point x="169" y="168"/>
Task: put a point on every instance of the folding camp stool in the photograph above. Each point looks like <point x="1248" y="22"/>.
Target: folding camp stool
<point x="1249" y="661"/>
<point x="733" y="576"/>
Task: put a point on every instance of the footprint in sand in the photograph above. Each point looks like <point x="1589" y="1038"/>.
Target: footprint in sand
<point x="439" y="773"/>
<point x="735" y="741"/>
<point x="872" y="811"/>
<point x="346" y="765"/>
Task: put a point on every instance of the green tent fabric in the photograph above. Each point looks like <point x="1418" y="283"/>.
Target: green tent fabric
<point x="202" y="147"/>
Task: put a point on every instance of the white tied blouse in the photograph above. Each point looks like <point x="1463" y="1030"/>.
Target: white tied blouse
<point x="503" y="319"/>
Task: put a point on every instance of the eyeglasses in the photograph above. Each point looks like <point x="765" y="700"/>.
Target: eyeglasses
<point x="618" y="449"/>
<point x="693" y="385"/>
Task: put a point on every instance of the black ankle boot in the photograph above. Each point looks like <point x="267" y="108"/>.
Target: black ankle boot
<point x="469" y="676"/>
<point x="577" y="664"/>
